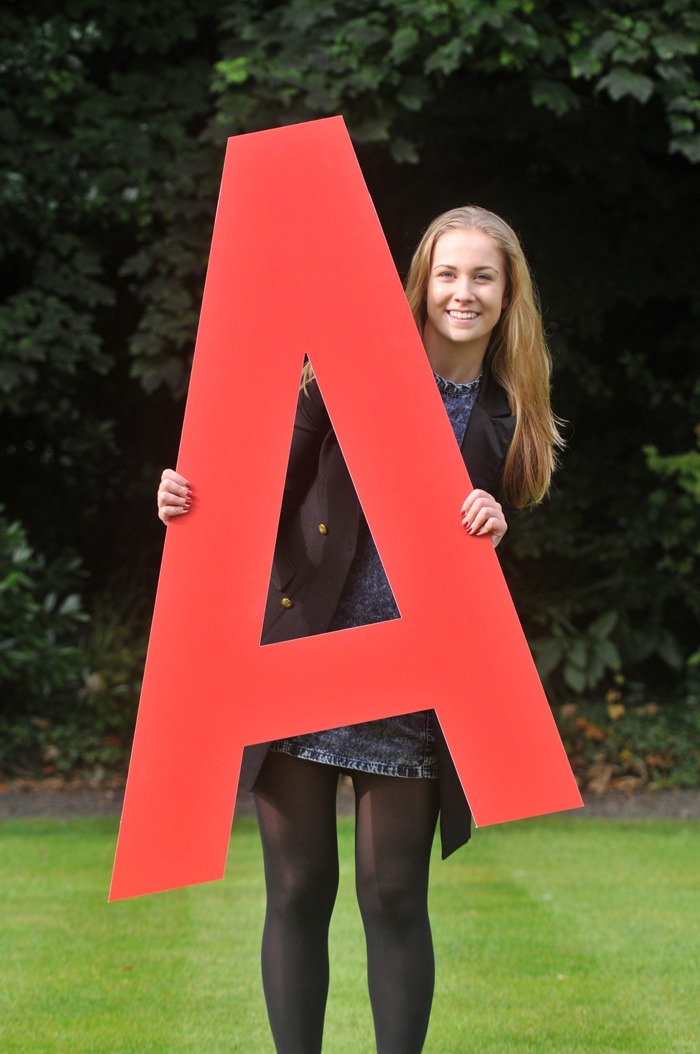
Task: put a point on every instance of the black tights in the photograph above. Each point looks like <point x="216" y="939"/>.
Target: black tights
<point x="395" y="824"/>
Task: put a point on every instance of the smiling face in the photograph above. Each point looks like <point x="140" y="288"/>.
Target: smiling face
<point x="465" y="298"/>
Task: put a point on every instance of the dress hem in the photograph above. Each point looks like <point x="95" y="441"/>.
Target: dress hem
<point x="340" y="761"/>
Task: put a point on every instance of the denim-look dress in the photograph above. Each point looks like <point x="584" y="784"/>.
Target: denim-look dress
<point x="391" y="746"/>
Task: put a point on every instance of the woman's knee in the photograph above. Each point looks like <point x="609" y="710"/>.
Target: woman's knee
<point x="303" y="893"/>
<point x="394" y="900"/>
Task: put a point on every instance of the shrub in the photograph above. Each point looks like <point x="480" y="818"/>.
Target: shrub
<point x="69" y="683"/>
<point x="41" y="618"/>
<point x="626" y="741"/>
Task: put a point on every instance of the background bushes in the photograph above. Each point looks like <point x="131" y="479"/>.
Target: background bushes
<point x="579" y="123"/>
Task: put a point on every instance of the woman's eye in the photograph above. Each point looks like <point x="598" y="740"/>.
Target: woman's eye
<point x="446" y="274"/>
<point x="484" y="277"/>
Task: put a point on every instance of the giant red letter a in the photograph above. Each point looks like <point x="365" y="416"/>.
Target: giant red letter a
<point x="299" y="266"/>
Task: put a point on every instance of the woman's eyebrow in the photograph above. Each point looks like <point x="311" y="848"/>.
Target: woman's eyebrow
<point x="479" y="267"/>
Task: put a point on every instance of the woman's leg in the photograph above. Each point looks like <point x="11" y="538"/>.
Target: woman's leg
<point x="296" y="807"/>
<point x="395" y="826"/>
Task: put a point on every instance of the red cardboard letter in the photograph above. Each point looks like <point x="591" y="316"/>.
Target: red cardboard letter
<point x="299" y="265"/>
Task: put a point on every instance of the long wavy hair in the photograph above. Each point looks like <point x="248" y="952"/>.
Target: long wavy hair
<point x="517" y="354"/>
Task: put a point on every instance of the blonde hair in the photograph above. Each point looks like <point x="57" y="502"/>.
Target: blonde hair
<point x="517" y="355"/>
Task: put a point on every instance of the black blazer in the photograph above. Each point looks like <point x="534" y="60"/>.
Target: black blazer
<point x="317" y="540"/>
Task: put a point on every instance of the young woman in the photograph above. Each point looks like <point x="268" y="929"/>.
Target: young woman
<point x="472" y="297"/>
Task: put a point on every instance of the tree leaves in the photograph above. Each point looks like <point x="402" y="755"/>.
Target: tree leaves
<point x="621" y="81"/>
<point x="621" y="55"/>
<point x="112" y="122"/>
<point x="39" y="621"/>
<point x="583" y="656"/>
<point x="555" y="96"/>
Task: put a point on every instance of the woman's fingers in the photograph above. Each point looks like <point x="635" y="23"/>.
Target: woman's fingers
<point x="174" y="495"/>
<point x="482" y="515"/>
<point x="169" y="476"/>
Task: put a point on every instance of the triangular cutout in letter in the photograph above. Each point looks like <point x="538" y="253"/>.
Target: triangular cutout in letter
<point x="315" y="451"/>
<point x="299" y="266"/>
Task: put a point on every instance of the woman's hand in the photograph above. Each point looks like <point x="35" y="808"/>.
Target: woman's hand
<point x="174" y="495"/>
<point x="481" y="515"/>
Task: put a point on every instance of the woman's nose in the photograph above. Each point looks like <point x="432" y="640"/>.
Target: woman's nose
<point x="464" y="290"/>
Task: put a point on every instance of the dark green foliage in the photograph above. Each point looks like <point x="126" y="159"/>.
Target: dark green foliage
<point x="577" y="122"/>
<point x="68" y="684"/>
<point x="40" y="620"/>
<point x="382" y="63"/>
<point x="106" y="204"/>
<point x="676" y="501"/>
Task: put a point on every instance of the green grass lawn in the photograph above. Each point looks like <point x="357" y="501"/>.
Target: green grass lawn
<point x="553" y="936"/>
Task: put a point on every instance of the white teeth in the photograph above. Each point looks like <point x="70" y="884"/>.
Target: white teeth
<point x="463" y="314"/>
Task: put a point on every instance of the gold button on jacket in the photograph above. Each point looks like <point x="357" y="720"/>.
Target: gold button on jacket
<point x="286" y="602"/>
<point x="322" y="529"/>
